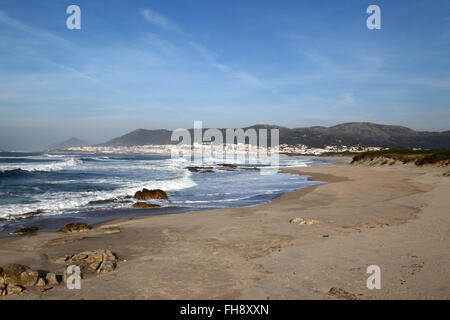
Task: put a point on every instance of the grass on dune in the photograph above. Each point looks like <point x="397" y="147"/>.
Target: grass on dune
<point x="419" y="157"/>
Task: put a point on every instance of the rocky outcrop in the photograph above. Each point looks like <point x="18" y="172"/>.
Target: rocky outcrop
<point x="88" y="257"/>
<point x="75" y="227"/>
<point x="19" y="275"/>
<point x="197" y="169"/>
<point x="227" y="169"/>
<point x="341" y="293"/>
<point x="26" y="230"/>
<point x="250" y="168"/>
<point x="146" y="194"/>
<point x="102" y="267"/>
<point x="227" y="165"/>
<point x="52" y="279"/>
<point x="11" y="289"/>
<point x="99" y="261"/>
<point x="143" y="205"/>
<point x="98" y="202"/>
<point x="126" y="201"/>
<point x="304" y="221"/>
<point x="15" y="278"/>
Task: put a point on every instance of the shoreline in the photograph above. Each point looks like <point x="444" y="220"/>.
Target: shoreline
<point x="391" y="217"/>
<point x="52" y="223"/>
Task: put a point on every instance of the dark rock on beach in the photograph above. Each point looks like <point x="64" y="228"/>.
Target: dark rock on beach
<point x="88" y="257"/>
<point x="146" y="194"/>
<point x="12" y="289"/>
<point x="26" y="230"/>
<point x="98" y="202"/>
<point x="227" y="169"/>
<point x="75" y="227"/>
<point x="143" y="205"/>
<point x="14" y="278"/>
<point x="99" y="261"/>
<point x="250" y="168"/>
<point x="102" y="267"/>
<point x="197" y="169"/>
<point x="341" y="293"/>
<point x="51" y="278"/>
<point x="227" y="165"/>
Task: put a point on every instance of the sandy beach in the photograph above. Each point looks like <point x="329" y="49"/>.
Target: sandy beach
<point x="395" y="217"/>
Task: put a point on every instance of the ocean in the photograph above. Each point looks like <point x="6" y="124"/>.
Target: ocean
<point x="60" y="185"/>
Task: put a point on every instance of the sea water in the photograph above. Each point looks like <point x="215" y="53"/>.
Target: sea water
<point x="62" y="184"/>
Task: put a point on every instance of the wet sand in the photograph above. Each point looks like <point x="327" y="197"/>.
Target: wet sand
<point x="395" y="217"/>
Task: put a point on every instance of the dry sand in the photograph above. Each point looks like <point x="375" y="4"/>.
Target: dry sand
<point x="395" y="217"/>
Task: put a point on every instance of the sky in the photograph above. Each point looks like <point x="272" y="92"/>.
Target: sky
<point x="163" y="64"/>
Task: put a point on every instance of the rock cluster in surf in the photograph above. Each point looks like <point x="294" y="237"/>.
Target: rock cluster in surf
<point x="75" y="227"/>
<point x="146" y="194"/>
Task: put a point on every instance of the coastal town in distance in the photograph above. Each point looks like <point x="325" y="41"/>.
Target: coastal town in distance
<point x="238" y="148"/>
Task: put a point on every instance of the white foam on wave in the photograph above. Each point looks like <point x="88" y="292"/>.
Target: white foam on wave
<point x="54" y="203"/>
<point x="54" y="155"/>
<point x="52" y="166"/>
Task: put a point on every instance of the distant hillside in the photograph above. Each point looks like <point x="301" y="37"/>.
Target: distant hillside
<point x="354" y="133"/>
<point x="70" y="143"/>
<point x="367" y="134"/>
<point x="141" y="137"/>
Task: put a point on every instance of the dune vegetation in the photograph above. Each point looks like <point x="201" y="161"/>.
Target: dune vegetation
<point x="418" y="157"/>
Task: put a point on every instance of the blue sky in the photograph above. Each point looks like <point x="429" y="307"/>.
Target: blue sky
<point x="164" y="64"/>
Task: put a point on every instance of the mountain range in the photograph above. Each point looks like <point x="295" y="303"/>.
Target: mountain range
<point x="70" y="143"/>
<point x="351" y="134"/>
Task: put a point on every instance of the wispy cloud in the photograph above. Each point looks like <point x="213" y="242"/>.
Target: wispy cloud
<point x="160" y="44"/>
<point x="78" y="73"/>
<point x="244" y="76"/>
<point x="211" y="58"/>
<point x="208" y="55"/>
<point x="441" y="83"/>
<point x="46" y="36"/>
<point x="344" y="101"/>
<point x="41" y="34"/>
<point x="160" y="21"/>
